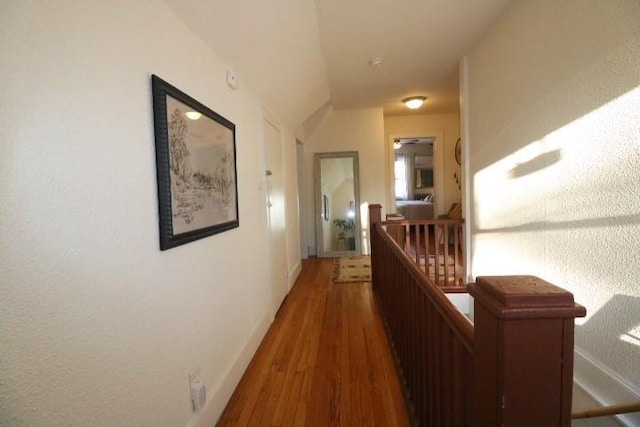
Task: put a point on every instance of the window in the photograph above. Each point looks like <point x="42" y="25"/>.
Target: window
<point x="400" y="172"/>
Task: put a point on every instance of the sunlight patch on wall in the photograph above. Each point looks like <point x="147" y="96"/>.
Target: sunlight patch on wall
<point x="565" y="206"/>
<point x="632" y="336"/>
<point x="564" y="159"/>
<point x="364" y="227"/>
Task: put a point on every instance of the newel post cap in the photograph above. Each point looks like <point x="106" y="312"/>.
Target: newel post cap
<point x="375" y="213"/>
<point x="521" y="297"/>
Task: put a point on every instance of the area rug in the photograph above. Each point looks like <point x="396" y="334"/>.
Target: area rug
<point x="352" y="269"/>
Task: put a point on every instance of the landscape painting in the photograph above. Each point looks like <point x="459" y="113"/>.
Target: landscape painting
<point x="196" y="168"/>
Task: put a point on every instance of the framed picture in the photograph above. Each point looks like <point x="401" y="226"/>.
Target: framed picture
<point x="196" y="167"/>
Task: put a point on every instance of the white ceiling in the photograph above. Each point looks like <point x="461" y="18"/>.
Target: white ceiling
<point x="299" y="55"/>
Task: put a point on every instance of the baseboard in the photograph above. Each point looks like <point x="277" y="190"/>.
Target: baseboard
<point x="604" y="386"/>
<point x="295" y="273"/>
<point x="219" y="394"/>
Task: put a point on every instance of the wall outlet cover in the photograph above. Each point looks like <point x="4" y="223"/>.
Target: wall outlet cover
<point x="198" y="395"/>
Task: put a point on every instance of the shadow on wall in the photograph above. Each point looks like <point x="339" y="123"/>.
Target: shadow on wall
<point x="589" y="223"/>
<point x="568" y="100"/>
<point x="621" y="340"/>
<point x="536" y="164"/>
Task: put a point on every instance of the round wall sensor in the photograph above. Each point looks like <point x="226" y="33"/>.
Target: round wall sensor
<point x="232" y="80"/>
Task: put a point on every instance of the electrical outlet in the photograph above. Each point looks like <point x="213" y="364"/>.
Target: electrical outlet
<point x="197" y="390"/>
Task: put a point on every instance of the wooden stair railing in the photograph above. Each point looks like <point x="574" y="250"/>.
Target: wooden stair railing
<point x="513" y="367"/>
<point x="607" y="411"/>
<point x="436" y="246"/>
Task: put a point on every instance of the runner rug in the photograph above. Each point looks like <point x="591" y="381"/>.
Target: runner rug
<point x="352" y="269"/>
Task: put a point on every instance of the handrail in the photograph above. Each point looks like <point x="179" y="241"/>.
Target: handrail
<point x="461" y="325"/>
<point x="458" y="374"/>
<point x="607" y="411"/>
<point x="416" y="239"/>
<point x="431" y="340"/>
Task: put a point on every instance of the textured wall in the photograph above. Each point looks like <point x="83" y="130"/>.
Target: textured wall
<point x="97" y="326"/>
<point x="554" y="107"/>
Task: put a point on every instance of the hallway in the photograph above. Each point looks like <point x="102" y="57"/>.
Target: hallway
<point x="324" y="361"/>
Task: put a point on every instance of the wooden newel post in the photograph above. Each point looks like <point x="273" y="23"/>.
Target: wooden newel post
<point x="523" y="352"/>
<point x="375" y="214"/>
<point x="375" y="217"/>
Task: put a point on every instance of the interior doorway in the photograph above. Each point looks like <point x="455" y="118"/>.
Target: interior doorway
<point x="416" y="175"/>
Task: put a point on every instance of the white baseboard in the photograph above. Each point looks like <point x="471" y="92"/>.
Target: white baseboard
<point x="295" y="273"/>
<point x="605" y="386"/>
<point x="220" y="393"/>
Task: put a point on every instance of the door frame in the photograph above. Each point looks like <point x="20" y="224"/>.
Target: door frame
<point x="438" y="168"/>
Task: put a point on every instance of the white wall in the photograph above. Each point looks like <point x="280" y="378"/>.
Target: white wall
<point x="98" y="326"/>
<point x="448" y="125"/>
<point x="554" y="107"/>
<point x="348" y="130"/>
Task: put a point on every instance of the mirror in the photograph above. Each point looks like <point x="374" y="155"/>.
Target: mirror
<point x="337" y="204"/>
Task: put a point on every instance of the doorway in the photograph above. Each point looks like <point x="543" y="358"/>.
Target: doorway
<point x="416" y="172"/>
<point x="337" y="204"/>
<point x="276" y="213"/>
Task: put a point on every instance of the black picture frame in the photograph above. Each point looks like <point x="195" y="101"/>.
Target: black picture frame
<point x="196" y="167"/>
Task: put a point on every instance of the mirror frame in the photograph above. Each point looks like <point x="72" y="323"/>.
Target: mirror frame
<point x="319" y="211"/>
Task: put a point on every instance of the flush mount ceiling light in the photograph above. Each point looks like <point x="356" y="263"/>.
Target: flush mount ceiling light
<point x="193" y="115"/>
<point x="414" y="102"/>
<point x="376" y="61"/>
<point x="397" y="145"/>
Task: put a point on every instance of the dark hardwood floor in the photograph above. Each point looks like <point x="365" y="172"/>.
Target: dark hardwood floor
<point x="325" y="361"/>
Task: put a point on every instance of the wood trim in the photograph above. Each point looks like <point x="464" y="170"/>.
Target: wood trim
<point x="607" y="411"/>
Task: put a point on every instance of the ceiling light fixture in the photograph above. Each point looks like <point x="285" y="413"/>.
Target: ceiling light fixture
<point x="396" y="145"/>
<point x="376" y="61"/>
<point x="414" y="102"/>
<point x="193" y="115"/>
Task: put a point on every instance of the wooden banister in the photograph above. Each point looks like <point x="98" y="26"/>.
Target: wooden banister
<point x="436" y="246"/>
<point x="513" y="367"/>
<point x="431" y="340"/>
<point x="607" y="411"/>
<point x="523" y="360"/>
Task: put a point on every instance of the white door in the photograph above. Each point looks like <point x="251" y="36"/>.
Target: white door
<point x="276" y="212"/>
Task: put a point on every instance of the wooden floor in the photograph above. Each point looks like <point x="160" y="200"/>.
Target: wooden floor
<point x="325" y="361"/>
